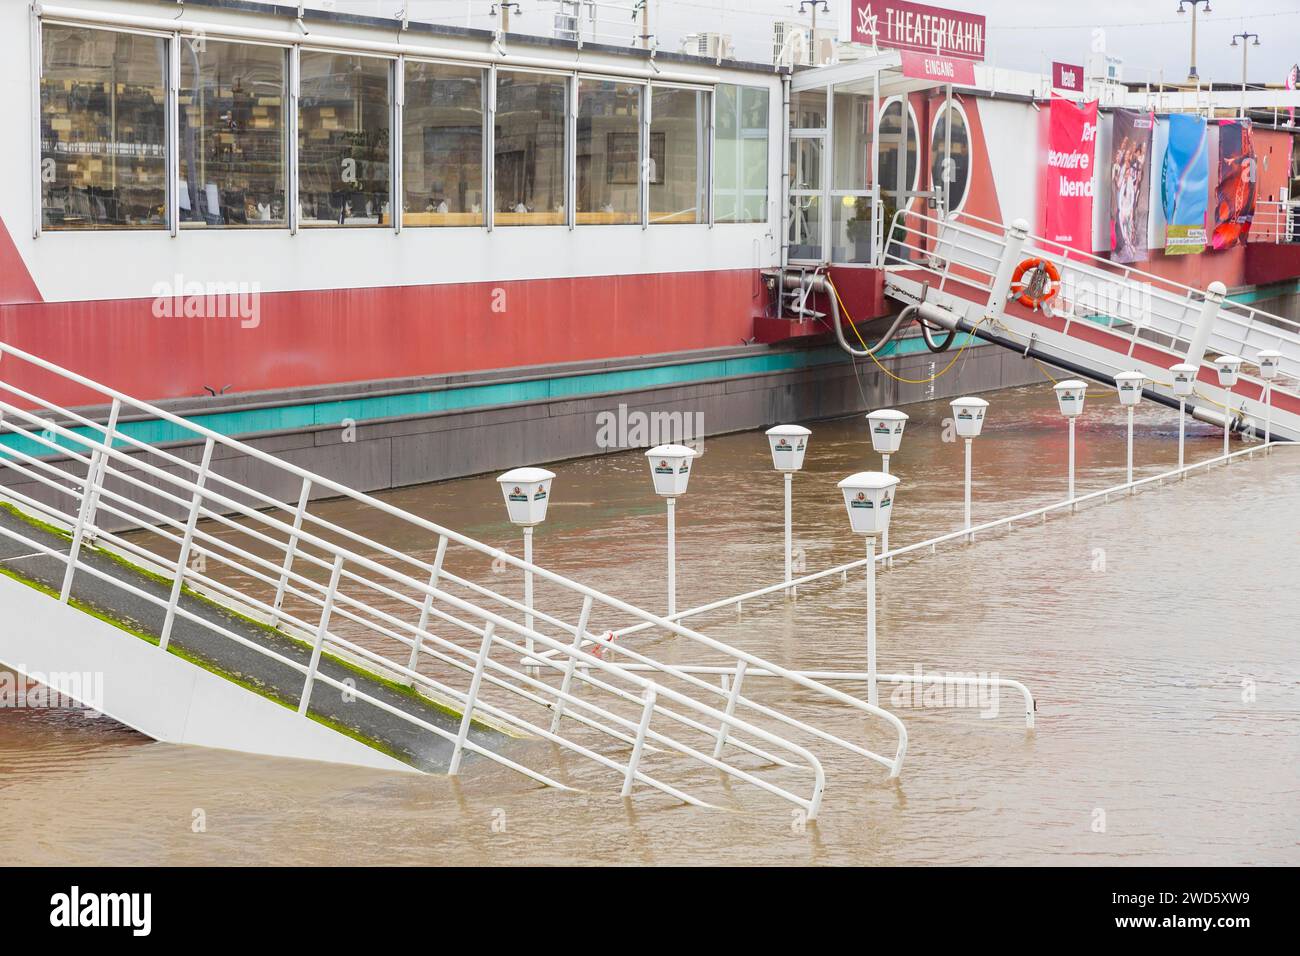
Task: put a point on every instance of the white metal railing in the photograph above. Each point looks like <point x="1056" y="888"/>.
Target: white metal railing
<point x="1275" y="222"/>
<point x="1143" y="308"/>
<point x="405" y="617"/>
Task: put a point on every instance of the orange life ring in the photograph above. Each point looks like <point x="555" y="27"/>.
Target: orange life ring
<point x="1043" y="285"/>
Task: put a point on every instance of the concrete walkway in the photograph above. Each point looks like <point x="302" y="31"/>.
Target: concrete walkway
<point x="271" y="678"/>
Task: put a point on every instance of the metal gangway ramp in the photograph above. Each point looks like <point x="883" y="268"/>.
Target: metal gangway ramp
<point x="1106" y="318"/>
<point x="225" y="610"/>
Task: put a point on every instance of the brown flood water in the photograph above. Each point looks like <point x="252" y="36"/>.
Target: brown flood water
<point x="1158" y="632"/>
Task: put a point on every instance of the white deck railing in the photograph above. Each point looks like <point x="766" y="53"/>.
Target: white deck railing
<point x="208" y="524"/>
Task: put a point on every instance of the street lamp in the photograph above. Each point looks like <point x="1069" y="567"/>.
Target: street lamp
<point x="527" y="492"/>
<point x="789" y="444"/>
<point x="1269" y="362"/>
<point x="1229" y="367"/>
<point x="886" y="426"/>
<point x="1070" y="395"/>
<point x="1184" y="383"/>
<point x="812" y="34"/>
<point x="1130" y="385"/>
<point x="1245" y="50"/>
<point x="868" y="498"/>
<point x="670" y="469"/>
<point x="968" y="416"/>
<point x="1191" y="74"/>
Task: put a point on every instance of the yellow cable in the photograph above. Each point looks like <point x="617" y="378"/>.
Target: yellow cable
<point x="970" y="337"/>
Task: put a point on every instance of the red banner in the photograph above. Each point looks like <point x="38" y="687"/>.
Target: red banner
<point x="914" y="26"/>
<point x="1067" y="76"/>
<point x="941" y="69"/>
<point x="1068" y="186"/>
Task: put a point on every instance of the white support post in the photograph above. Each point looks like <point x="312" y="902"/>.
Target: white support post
<point x="1072" y="462"/>
<point x="884" y="540"/>
<point x="187" y="543"/>
<point x="467" y="718"/>
<point x="528" y="588"/>
<point x="579" y="636"/>
<point x="1182" y="434"/>
<point x="99" y="464"/>
<point x="89" y="500"/>
<point x="1130" y="447"/>
<point x="873" y="692"/>
<point x="725" y="728"/>
<point x="290" y="550"/>
<point x="1017" y="234"/>
<point x="1227" y="425"/>
<point x="789" y="533"/>
<point x="967" y="487"/>
<point x="1214" y="296"/>
<point x="672" y="556"/>
<point x="427" y="608"/>
<point x="327" y="609"/>
<point x="1268" y="415"/>
<point x="646" y="713"/>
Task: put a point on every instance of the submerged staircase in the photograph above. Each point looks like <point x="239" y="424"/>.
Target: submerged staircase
<point x="221" y="609"/>
<point x="1106" y="318"/>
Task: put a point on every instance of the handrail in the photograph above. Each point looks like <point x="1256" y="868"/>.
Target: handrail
<point x="155" y="499"/>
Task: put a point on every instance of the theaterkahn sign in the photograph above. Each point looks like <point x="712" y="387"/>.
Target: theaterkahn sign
<point x="913" y="26"/>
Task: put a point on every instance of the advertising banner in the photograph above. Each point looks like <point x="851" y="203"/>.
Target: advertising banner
<point x="1067" y="76"/>
<point x="1185" y="184"/>
<point x="1130" y="184"/>
<point x="941" y="69"/>
<point x="1068" y="186"/>
<point x="900" y="25"/>
<point x="1234" y="206"/>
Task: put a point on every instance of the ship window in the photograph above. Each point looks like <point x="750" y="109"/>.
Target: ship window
<point x="442" y="145"/>
<point x="741" y="154"/>
<point x="529" y="161"/>
<point x="232" y="134"/>
<point x="957" y="171"/>
<point x="679" y="153"/>
<point x="103" y="129"/>
<point x="344" y="116"/>
<point x="609" y="153"/>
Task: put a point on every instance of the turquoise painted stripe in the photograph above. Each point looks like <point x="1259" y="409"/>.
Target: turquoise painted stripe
<point x="316" y="414"/>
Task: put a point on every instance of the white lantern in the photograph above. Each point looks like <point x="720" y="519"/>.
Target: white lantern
<point x="1229" y="367"/>
<point x="527" y="492"/>
<point x="869" y="499"/>
<point x="1070" y="395"/>
<point x="789" y="443"/>
<point x="670" y="467"/>
<point x="1269" y="363"/>
<point x="1184" y="379"/>
<point x="887" y="426"/>
<point x="1130" y="385"/>
<point x="968" y="414"/>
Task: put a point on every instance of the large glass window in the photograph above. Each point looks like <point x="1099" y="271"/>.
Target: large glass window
<point x="808" y="109"/>
<point x="950" y="164"/>
<point x="679" y="152"/>
<point x="344" y="115"/>
<point x="442" y="145"/>
<point x="852" y="198"/>
<point x="529" y="164"/>
<point x="740" y="154"/>
<point x="232" y="134"/>
<point x="103" y="129"/>
<point x="609" y="152"/>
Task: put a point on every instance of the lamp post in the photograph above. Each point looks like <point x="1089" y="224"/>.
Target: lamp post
<point x="868" y="498"/>
<point x="1069" y="396"/>
<point x="968" y="417"/>
<point x="1130" y="385"/>
<point x="1245" y="50"/>
<point x="789" y="444"/>
<point x="527" y="492"/>
<point x="1269" y="364"/>
<point x="886" y="426"/>
<point x="1184" y="383"/>
<point x="1229" y="367"/>
<point x="670" y="469"/>
<point x="812" y="33"/>
<point x="1191" y="74"/>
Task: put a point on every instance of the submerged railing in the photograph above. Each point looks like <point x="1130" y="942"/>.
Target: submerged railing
<point x="203" y="506"/>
